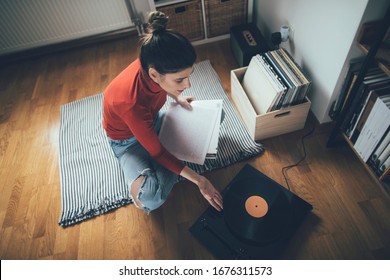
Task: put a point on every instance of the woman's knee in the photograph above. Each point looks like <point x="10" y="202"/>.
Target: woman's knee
<point x="151" y="193"/>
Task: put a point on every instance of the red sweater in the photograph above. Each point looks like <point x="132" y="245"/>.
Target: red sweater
<point x="131" y="103"/>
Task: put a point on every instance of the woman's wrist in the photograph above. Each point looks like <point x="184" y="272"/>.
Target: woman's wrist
<point x="205" y="187"/>
<point x="191" y="175"/>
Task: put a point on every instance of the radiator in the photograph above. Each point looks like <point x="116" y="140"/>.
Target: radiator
<point x="26" y="24"/>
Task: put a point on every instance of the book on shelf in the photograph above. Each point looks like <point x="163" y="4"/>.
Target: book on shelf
<point x="273" y="80"/>
<point x="379" y="154"/>
<point x="381" y="164"/>
<point x="375" y="127"/>
<point x="192" y="135"/>
<point x="385" y="175"/>
<point x="384" y="167"/>
<point x="362" y="116"/>
<point x="354" y="132"/>
<point x="349" y="80"/>
<point x="374" y="80"/>
<point x="384" y="155"/>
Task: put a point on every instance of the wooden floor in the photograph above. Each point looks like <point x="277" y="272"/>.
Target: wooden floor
<point x="350" y="219"/>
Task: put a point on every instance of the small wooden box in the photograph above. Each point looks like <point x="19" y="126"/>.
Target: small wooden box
<point x="270" y="124"/>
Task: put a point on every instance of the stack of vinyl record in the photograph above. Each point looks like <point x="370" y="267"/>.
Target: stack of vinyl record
<point x="274" y="80"/>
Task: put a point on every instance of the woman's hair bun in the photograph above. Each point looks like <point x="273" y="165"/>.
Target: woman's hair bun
<point x="157" y="21"/>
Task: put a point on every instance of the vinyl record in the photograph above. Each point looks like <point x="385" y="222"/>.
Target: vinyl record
<point x="256" y="212"/>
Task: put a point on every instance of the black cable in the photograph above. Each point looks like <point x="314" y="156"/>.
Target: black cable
<point x="286" y="168"/>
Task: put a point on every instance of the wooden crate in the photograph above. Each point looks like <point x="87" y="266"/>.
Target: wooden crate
<point x="186" y="18"/>
<point x="270" y="124"/>
<point x="223" y="14"/>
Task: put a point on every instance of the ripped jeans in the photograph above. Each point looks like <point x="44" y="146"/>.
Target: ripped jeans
<point x="135" y="161"/>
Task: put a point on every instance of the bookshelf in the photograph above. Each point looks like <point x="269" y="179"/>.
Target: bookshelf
<point x="374" y="40"/>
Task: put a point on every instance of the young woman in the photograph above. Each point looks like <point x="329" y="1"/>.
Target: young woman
<point x="132" y="117"/>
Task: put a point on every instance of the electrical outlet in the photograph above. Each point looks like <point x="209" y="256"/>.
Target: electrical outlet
<point x="284" y="32"/>
<point x="287" y="32"/>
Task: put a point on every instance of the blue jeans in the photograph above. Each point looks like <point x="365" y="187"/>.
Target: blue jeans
<point x="135" y="161"/>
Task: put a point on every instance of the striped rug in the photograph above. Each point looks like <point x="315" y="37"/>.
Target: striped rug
<point x="91" y="180"/>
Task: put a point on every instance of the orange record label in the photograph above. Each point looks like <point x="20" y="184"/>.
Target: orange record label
<point x="256" y="206"/>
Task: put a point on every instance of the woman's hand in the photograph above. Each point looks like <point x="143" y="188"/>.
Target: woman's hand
<point x="185" y="101"/>
<point x="210" y="193"/>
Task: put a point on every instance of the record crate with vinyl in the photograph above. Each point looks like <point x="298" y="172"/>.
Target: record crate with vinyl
<point x="270" y="94"/>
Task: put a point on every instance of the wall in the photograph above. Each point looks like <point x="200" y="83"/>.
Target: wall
<point x="324" y="32"/>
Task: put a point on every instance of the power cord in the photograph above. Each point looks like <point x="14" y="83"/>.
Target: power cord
<point x="286" y="168"/>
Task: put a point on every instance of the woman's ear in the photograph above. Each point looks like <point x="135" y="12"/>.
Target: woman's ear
<point x="154" y="75"/>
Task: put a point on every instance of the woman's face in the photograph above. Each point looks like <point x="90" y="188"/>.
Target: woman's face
<point x="174" y="83"/>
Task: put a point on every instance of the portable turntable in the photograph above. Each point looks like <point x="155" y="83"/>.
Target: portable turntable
<point x="258" y="219"/>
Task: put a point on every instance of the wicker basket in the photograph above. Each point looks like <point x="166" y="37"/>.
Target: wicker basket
<point x="223" y="14"/>
<point x="186" y="18"/>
